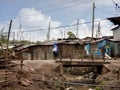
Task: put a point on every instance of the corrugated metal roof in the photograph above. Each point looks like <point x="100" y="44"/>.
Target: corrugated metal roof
<point x="115" y="28"/>
<point x="115" y="20"/>
<point x="99" y="40"/>
<point x="114" y="40"/>
<point x="63" y="42"/>
<point x="51" y="42"/>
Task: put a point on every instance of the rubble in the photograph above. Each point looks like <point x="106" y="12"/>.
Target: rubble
<point x="43" y="77"/>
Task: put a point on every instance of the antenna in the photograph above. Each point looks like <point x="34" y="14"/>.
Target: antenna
<point x="116" y="5"/>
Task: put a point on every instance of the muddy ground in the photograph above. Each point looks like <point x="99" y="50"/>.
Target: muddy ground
<point x="46" y="75"/>
<point x="36" y="75"/>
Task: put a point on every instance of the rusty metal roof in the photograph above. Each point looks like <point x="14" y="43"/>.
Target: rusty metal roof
<point x="63" y="42"/>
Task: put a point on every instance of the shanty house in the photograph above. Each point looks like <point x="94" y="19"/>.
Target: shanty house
<point x="116" y="30"/>
<point x="95" y="46"/>
<point x="115" y="47"/>
<point x="73" y="49"/>
<point x="116" y="33"/>
<point x="34" y="52"/>
<point x="67" y="48"/>
<point x="115" y="42"/>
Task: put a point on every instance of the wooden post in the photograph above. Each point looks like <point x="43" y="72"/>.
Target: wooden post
<point x="77" y="28"/>
<point x="118" y="74"/>
<point x="21" y="65"/>
<point x="61" y="51"/>
<point x="48" y="34"/>
<point x="6" y="56"/>
<point x="93" y="16"/>
<point x="8" y="36"/>
<point x="61" y="69"/>
<point x="81" y="51"/>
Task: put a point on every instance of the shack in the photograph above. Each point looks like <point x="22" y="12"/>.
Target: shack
<point x="115" y="47"/>
<point x="115" y="42"/>
<point x="95" y="46"/>
<point x="72" y="49"/>
<point x="67" y="49"/>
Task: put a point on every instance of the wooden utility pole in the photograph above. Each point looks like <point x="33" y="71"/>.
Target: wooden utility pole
<point x="93" y="16"/>
<point x="48" y="34"/>
<point x="6" y="55"/>
<point x="64" y="33"/>
<point x="9" y="34"/>
<point x="98" y="34"/>
<point x="77" y="27"/>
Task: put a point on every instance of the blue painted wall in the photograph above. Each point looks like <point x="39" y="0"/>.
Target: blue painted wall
<point x="99" y="45"/>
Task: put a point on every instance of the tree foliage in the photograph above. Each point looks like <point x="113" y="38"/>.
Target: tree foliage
<point x="71" y="34"/>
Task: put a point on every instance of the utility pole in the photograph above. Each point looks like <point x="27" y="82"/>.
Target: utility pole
<point x="48" y="34"/>
<point x="61" y="34"/>
<point x="98" y="34"/>
<point x="64" y="33"/>
<point x="93" y="16"/>
<point x="6" y="55"/>
<point x="77" y="28"/>
<point x="9" y="34"/>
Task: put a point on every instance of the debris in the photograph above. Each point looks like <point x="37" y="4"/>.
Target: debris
<point x="25" y="82"/>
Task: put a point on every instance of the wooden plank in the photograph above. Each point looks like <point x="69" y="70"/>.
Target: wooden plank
<point x="83" y="63"/>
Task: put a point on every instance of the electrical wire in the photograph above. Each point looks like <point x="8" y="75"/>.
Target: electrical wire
<point x="54" y="5"/>
<point x="102" y="9"/>
<point x="70" y="6"/>
<point x="56" y="9"/>
<point x="57" y="27"/>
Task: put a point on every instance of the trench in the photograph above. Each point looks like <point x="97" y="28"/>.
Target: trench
<point x="75" y="73"/>
<point x="76" y="69"/>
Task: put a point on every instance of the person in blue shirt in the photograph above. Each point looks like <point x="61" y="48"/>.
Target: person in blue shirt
<point x="55" y="50"/>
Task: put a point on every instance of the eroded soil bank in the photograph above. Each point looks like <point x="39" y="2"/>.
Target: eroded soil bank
<point x="46" y="75"/>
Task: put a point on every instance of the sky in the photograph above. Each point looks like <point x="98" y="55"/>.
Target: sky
<point x="31" y="18"/>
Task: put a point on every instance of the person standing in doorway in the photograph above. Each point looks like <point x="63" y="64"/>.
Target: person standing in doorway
<point x="103" y="51"/>
<point x="55" y="50"/>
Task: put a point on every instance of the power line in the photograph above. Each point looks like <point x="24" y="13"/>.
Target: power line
<point x="56" y="9"/>
<point x="49" y="6"/>
<point x="54" y="5"/>
<point x="32" y="30"/>
<point x="74" y="5"/>
<point x="103" y="9"/>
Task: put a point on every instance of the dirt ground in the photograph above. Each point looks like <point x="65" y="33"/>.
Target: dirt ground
<point x="113" y="76"/>
<point x="45" y="75"/>
<point x="36" y="75"/>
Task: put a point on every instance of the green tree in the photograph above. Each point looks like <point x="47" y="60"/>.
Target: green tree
<point x="3" y="39"/>
<point x="71" y="34"/>
<point x="3" y="36"/>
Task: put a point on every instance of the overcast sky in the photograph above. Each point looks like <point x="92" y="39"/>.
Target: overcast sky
<point x="31" y="17"/>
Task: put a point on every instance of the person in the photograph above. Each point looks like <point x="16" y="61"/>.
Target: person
<point x="55" y="50"/>
<point x="87" y="48"/>
<point x="103" y="50"/>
